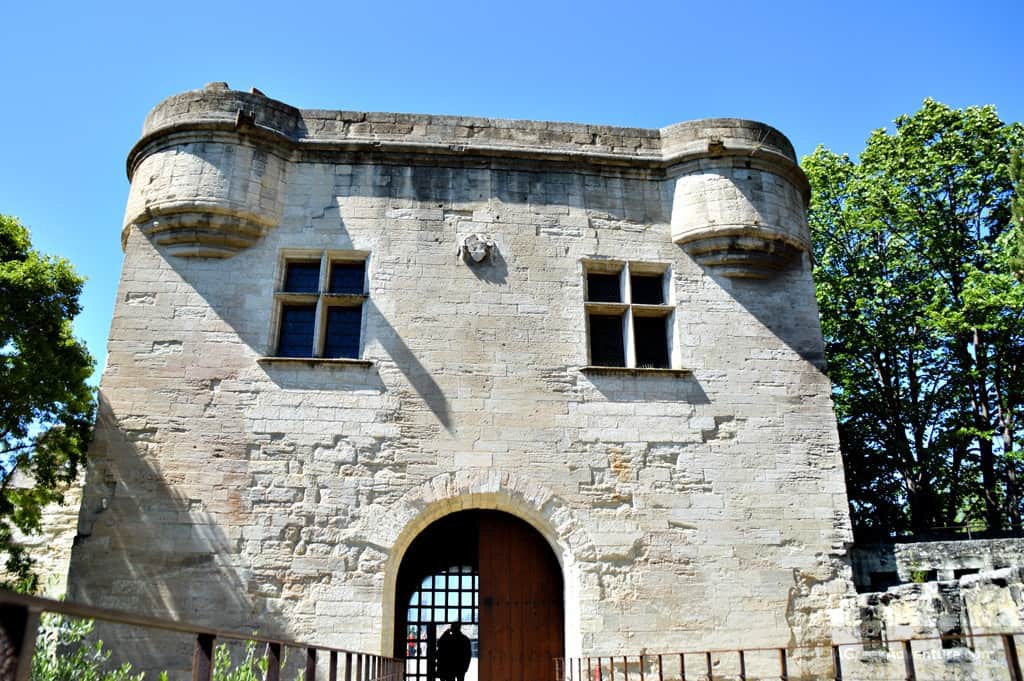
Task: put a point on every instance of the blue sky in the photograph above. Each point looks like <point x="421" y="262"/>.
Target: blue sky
<point x="78" y="82"/>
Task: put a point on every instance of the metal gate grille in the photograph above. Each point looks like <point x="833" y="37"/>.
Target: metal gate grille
<point x="451" y="595"/>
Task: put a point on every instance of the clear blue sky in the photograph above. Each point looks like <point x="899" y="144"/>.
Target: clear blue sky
<point x="79" y="78"/>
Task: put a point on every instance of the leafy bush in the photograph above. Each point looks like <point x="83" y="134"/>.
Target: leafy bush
<point x="250" y="668"/>
<point x="62" y="654"/>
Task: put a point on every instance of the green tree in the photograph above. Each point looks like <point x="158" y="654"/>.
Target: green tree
<point x="1014" y="240"/>
<point x="922" y="318"/>
<point x="46" y="407"/>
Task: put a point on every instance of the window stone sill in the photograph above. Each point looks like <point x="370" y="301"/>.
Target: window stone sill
<point x="632" y="371"/>
<point x="318" y="361"/>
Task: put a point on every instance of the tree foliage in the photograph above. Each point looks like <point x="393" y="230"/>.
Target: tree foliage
<point x="1014" y="240"/>
<point x="924" y="319"/>
<point x="46" y="407"/>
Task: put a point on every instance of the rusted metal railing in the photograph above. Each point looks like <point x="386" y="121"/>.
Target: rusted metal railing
<point x="19" y="623"/>
<point x="995" y="654"/>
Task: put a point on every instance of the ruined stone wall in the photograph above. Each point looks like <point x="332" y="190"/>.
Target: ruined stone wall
<point x="931" y="560"/>
<point x="50" y="548"/>
<point x="951" y="622"/>
<point x="701" y="505"/>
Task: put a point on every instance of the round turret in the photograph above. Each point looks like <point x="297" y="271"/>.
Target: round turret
<point x="208" y="174"/>
<point x="739" y="200"/>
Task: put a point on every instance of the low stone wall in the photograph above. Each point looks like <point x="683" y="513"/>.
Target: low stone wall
<point x="951" y="622"/>
<point x="949" y="596"/>
<point x="51" y="547"/>
<point x="879" y="566"/>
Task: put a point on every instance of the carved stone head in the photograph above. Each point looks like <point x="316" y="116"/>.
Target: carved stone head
<point x="476" y="246"/>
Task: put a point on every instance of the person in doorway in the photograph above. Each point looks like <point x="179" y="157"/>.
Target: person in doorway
<point x="413" y="647"/>
<point x="453" y="654"/>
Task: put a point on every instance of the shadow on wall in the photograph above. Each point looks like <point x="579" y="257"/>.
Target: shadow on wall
<point x="793" y="319"/>
<point x="191" y="570"/>
<point x="612" y="197"/>
<point x="324" y="376"/>
<point x="493" y="270"/>
<point x="382" y="332"/>
<point x="784" y="301"/>
<point x="617" y="388"/>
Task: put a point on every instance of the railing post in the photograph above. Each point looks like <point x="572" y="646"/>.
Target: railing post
<point x="332" y="666"/>
<point x="908" y="661"/>
<point x="642" y="668"/>
<point x="661" y="671"/>
<point x="625" y="668"/>
<point x="202" y="658"/>
<point x="743" y="666"/>
<point x="707" y="660"/>
<point x="1012" y="661"/>
<point x="273" y="662"/>
<point x="348" y="666"/>
<point x="837" y="664"/>
<point x="682" y="667"/>
<point x="18" y="627"/>
<point x="310" y="664"/>
<point x="783" y="666"/>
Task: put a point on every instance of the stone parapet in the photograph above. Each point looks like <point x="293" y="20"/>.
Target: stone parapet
<point x="739" y="194"/>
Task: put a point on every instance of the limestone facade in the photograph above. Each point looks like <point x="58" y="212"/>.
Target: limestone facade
<point x="693" y="500"/>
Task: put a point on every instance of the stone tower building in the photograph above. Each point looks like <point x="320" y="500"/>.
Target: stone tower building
<point x="548" y="378"/>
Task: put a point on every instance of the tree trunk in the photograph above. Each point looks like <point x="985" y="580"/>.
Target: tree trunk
<point x="922" y="506"/>
<point x="1012" y="486"/>
<point x="993" y="509"/>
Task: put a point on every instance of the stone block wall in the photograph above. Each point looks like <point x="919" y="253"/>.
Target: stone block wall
<point x="50" y="548"/>
<point x="699" y="505"/>
<point x="903" y="563"/>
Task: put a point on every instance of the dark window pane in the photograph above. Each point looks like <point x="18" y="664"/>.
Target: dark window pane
<point x="603" y="288"/>
<point x="302" y="277"/>
<point x="296" y="335"/>
<point x="347" y="277"/>
<point x="647" y="289"/>
<point x="651" y="338"/>
<point x="606" y="347"/>
<point x="341" y="338"/>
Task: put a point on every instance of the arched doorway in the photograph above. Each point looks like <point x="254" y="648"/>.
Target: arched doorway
<point x="496" y="576"/>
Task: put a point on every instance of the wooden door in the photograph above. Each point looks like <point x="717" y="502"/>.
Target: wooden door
<point x="521" y="616"/>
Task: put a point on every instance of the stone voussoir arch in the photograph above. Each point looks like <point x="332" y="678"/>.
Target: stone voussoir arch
<point x="490" y="489"/>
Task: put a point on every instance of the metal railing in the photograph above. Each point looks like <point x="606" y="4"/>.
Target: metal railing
<point x="19" y="624"/>
<point x="991" y="656"/>
<point x="968" y="531"/>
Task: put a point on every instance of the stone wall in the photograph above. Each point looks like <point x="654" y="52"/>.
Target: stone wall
<point x="882" y="565"/>
<point x="950" y="621"/>
<point x="696" y="505"/>
<point x="50" y="548"/>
